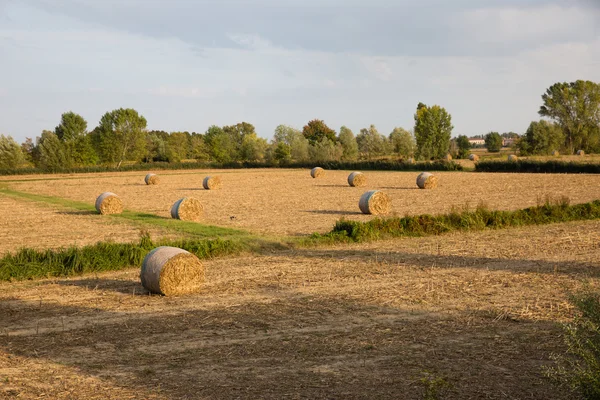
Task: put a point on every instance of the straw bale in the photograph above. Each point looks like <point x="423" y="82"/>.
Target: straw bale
<point x="151" y="179"/>
<point x="427" y="180"/>
<point x="357" y="179"/>
<point x="109" y="203"/>
<point x="172" y="271"/>
<point x="374" y="202"/>
<point x="187" y="209"/>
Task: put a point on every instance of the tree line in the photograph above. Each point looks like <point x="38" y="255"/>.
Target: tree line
<point x="572" y="112"/>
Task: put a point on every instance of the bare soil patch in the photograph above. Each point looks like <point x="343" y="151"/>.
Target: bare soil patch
<point x="41" y="226"/>
<point x="290" y="202"/>
<point x="361" y="321"/>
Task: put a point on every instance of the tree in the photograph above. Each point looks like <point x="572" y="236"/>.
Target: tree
<point x="11" y="156"/>
<point x="464" y="146"/>
<point x="253" y="148"/>
<point x="198" y="149"/>
<point x="316" y="130"/>
<point x="371" y="143"/>
<point x="325" y="150"/>
<point x="71" y="127"/>
<point x="402" y="142"/>
<point x="541" y="138"/>
<point x="575" y="107"/>
<point x="177" y="146"/>
<point x="30" y="151"/>
<point x="282" y="153"/>
<point x="121" y="136"/>
<point x="156" y="147"/>
<point x="297" y="145"/>
<point x="221" y="146"/>
<point x="433" y="129"/>
<point x="52" y="154"/>
<point x="493" y="142"/>
<point x="348" y="142"/>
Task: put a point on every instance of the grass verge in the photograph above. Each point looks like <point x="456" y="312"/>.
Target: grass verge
<point x="551" y="211"/>
<point x="193" y="229"/>
<point x="30" y="263"/>
<point x="533" y="166"/>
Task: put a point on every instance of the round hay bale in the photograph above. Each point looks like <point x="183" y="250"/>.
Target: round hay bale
<point x="448" y="157"/>
<point x="473" y="157"/>
<point x="109" y="203"/>
<point x="151" y="179"/>
<point x="580" y="153"/>
<point x="317" y="172"/>
<point x="410" y="160"/>
<point x="187" y="209"/>
<point x="555" y="153"/>
<point x="357" y="179"/>
<point x="172" y="271"/>
<point x="513" y="158"/>
<point x="427" y="180"/>
<point x="374" y="202"/>
<point x="211" y="182"/>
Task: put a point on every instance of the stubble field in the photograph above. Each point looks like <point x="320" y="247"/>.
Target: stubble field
<point x="477" y="312"/>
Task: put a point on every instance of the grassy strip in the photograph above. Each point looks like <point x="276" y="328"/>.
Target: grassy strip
<point x="379" y="165"/>
<point x="540" y="167"/>
<point x="190" y="228"/>
<point x="466" y="220"/>
<point x="29" y="263"/>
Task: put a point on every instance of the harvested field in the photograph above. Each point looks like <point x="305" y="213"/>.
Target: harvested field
<point x="40" y="226"/>
<point x="290" y="202"/>
<point x="360" y="321"/>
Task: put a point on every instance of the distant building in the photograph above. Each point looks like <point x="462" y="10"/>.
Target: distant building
<point x="477" y="142"/>
<point x="507" y="142"/>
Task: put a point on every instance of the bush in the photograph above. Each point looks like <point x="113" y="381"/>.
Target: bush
<point x="579" y="368"/>
<point x="532" y="166"/>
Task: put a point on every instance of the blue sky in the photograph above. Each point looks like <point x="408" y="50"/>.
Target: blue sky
<point x="186" y="65"/>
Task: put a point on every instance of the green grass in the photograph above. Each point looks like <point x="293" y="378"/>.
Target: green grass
<point x="29" y="263"/>
<point x="537" y="166"/>
<point x="465" y="220"/>
<point x="141" y="219"/>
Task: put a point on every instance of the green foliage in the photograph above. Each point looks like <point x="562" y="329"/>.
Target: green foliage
<point x="464" y="146"/>
<point x="371" y="144"/>
<point x="436" y="388"/>
<point x="71" y="127"/>
<point x="221" y="146"/>
<point x="198" y="148"/>
<point x="11" y="155"/>
<point x="541" y="138"/>
<point x="253" y="148"/>
<point x="325" y="150"/>
<point x="52" y="157"/>
<point x="289" y="144"/>
<point x="574" y="106"/>
<point x="579" y="368"/>
<point x="177" y="146"/>
<point x="433" y="129"/>
<point x="29" y="263"/>
<point x="402" y="142"/>
<point x="349" y="144"/>
<point x="316" y="130"/>
<point x="542" y="167"/>
<point x="120" y="136"/>
<point x="493" y="142"/>
<point x="464" y="220"/>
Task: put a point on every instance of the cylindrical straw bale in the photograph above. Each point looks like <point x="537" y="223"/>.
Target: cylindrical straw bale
<point x="317" y="172"/>
<point x="580" y="153"/>
<point x="410" y="160"/>
<point x="357" y="179"/>
<point x="513" y="158"/>
<point x="473" y="157"/>
<point x="151" y="179"/>
<point x="374" y="202"/>
<point x="448" y="157"/>
<point x="556" y="153"/>
<point x="109" y="203"/>
<point x="211" y="182"/>
<point x="187" y="209"/>
<point x="426" y="180"/>
<point x="172" y="271"/>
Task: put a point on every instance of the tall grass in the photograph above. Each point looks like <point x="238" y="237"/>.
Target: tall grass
<point x="579" y="368"/>
<point x="30" y="263"/>
<point x="550" y="211"/>
<point x="533" y="166"/>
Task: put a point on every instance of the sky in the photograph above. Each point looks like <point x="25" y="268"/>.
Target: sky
<point x="189" y="64"/>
